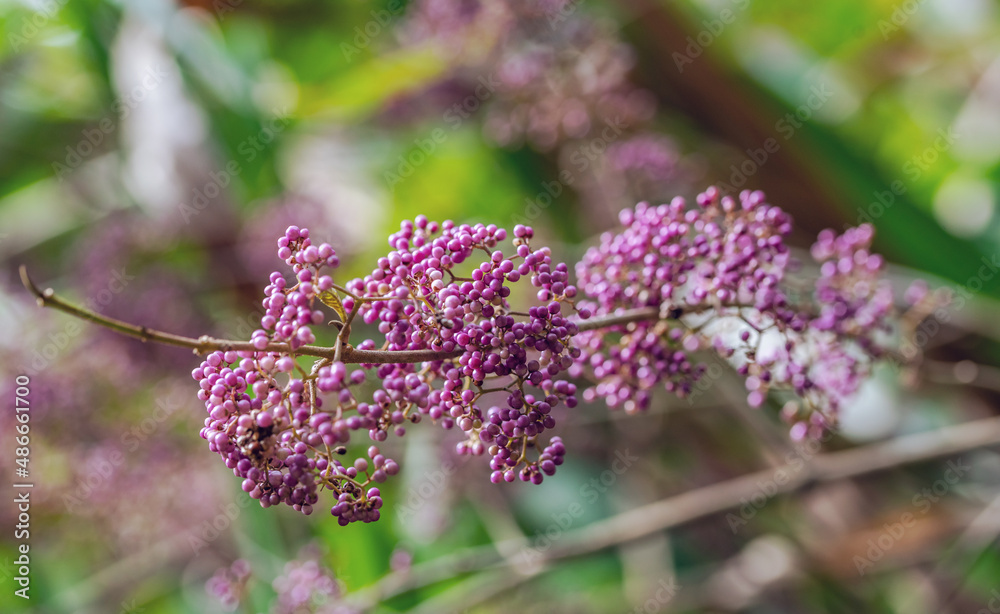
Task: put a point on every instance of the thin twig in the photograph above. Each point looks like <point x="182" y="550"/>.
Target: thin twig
<point x="689" y="506"/>
<point x="348" y="354"/>
<point x="642" y="314"/>
<point x="964" y="373"/>
<point x="205" y="344"/>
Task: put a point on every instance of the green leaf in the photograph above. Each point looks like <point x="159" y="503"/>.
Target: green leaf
<point x="332" y="300"/>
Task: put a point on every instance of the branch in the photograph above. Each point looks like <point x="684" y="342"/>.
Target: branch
<point x="689" y="506"/>
<point x="963" y="373"/>
<point x="204" y="344"/>
<point x="641" y="314"/>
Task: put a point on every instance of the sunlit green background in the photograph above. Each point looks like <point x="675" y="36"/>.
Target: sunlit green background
<point x="116" y="117"/>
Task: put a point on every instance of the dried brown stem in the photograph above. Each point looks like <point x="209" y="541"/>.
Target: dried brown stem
<point x="348" y="353"/>
<point x="674" y="511"/>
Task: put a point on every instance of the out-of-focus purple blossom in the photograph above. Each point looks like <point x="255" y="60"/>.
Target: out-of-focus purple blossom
<point x="307" y="586"/>
<point x="717" y="257"/>
<point x="548" y="75"/>
<point x="228" y="585"/>
<point x="649" y="157"/>
<point x="261" y="229"/>
<point x="717" y="274"/>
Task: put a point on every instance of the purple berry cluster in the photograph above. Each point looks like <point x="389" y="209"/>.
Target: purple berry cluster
<point x="265" y="413"/>
<point x="693" y="262"/>
<point x="445" y="287"/>
<point x="487" y="340"/>
<point x="848" y="329"/>
<point x="852" y="299"/>
<point x="716" y="273"/>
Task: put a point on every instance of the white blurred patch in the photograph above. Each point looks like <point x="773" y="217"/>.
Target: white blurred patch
<point x="764" y="562"/>
<point x="817" y="88"/>
<point x="772" y="346"/>
<point x="948" y="18"/>
<point x="328" y="169"/>
<point x="14" y="316"/>
<point x="978" y="122"/>
<point x="46" y="209"/>
<point x="424" y="511"/>
<point x="768" y="559"/>
<point x="275" y="87"/>
<point x="874" y="412"/>
<point x="964" y="205"/>
<point x="160" y="126"/>
<point x="772" y="57"/>
<point x="845" y="96"/>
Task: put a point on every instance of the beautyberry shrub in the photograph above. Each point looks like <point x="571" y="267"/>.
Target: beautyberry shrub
<point x="482" y="333"/>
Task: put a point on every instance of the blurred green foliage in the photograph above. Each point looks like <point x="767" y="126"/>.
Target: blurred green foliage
<point x="896" y="87"/>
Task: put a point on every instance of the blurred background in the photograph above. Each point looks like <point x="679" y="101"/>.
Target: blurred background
<point x="151" y="153"/>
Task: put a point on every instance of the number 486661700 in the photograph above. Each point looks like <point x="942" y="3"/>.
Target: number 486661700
<point x="22" y="408"/>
